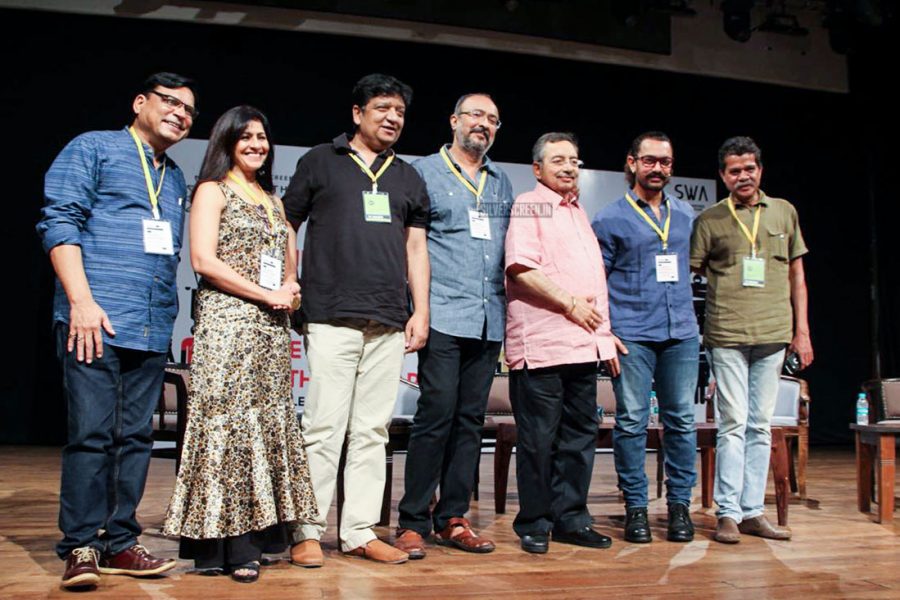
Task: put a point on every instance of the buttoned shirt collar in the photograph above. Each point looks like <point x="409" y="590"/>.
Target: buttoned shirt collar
<point x="550" y="196"/>
<point x="342" y="146"/>
<point x="763" y="201"/>
<point x="486" y="163"/>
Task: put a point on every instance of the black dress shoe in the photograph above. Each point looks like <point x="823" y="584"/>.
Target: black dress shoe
<point x="584" y="537"/>
<point x="637" y="527"/>
<point x="536" y="544"/>
<point x="680" y="527"/>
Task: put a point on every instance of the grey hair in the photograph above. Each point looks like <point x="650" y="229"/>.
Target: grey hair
<point x="537" y="152"/>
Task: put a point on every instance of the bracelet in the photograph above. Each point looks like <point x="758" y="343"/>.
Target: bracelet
<point x="572" y="308"/>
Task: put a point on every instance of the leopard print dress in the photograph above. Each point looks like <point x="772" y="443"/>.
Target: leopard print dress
<point x="243" y="466"/>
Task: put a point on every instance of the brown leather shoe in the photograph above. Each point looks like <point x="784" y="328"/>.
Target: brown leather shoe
<point x="307" y="554"/>
<point x="411" y="542"/>
<point x="760" y="527"/>
<point x="81" y="568"/>
<point x="378" y="551"/>
<point x="458" y="533"/>
<point x="727" y="531"/>
<point x="135" y="561"/>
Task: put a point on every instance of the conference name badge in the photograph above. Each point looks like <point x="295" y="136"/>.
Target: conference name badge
<point x="158" y="237"/>
<point x="377" y="207"/>
<point x="754" y="272"/>
<point x="269" y="272"/>
<point x="667" y="268"/>
<point x="479" y="224"/>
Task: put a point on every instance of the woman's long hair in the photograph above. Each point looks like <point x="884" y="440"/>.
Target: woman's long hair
<point x="225" y="134"/>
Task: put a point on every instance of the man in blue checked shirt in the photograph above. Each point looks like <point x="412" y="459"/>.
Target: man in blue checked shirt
<point x="470" y="202"/>
<point x="645" y="241"/>
<point x="112" y="225"/>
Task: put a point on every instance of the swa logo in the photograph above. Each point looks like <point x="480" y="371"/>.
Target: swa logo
<point x="691" y="193"/>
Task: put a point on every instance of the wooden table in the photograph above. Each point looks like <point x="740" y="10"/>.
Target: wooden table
<point x="876" y="441"/>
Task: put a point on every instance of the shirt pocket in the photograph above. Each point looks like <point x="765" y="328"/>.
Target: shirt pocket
<point x="777" y="243"/>
<point x="449" y="211"/>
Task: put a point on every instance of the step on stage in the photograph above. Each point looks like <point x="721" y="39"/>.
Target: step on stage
<point x="837" y="552"/>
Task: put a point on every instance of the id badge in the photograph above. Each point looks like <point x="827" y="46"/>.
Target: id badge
<point x="377" y="207"/>
<point x="269" y="272"/>
<point x="754" y="272"/>
<point x="479" y="224"/>
<point x="158" y="237"/>
<point x="667" y="268"/>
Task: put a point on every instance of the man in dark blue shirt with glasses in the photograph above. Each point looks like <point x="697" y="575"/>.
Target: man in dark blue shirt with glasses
<point x="645" y="241"/>
<point x="112" y="225"/>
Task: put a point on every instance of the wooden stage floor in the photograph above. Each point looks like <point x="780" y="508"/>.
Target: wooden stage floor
<point x="836" y="552"/>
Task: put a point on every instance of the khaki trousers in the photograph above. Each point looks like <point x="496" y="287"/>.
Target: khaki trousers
<point x="355" y="368"/>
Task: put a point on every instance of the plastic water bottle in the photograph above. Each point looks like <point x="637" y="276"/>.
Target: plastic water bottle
<point x="654" y="410"/>
<point x="862" y="409"/>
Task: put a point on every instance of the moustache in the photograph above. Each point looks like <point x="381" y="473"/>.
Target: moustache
<point x="482" y="130"/>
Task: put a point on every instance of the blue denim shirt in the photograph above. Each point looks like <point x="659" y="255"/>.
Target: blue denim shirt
<point x="466" y="273"/>
<point x="641" y="308"/>
<point x="96" y="197"/>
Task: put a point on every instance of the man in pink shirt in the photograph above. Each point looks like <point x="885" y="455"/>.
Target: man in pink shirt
<point x="557" y="330"/>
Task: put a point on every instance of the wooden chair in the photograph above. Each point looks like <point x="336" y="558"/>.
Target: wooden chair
<point x="876" y="449"/>
<point x="170" y="417"/>
<point x="792" y="417"/>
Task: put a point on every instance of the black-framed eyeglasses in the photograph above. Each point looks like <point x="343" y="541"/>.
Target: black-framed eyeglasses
<point x="174" y="103"/>
<point x="494" y="120"/>
<point x="650" y="161"/>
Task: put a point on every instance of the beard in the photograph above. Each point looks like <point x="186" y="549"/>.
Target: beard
<point x="475" y="143"/>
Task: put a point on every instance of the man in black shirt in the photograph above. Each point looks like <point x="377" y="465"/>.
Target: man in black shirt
<point x="367" y="211"/>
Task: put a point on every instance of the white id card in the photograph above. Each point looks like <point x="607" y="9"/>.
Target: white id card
<point x="269" y="272"/>
<point x="667" y="268"/>
<point x="479" y="225"/>
<point x="754" y="272"/>
<point x="158" y="237"/>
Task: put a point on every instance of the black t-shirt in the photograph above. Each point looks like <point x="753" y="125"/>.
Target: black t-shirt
<point x="352" y="268"/>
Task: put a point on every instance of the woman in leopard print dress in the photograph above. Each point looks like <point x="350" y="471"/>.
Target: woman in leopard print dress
<point x="244" y="472"/>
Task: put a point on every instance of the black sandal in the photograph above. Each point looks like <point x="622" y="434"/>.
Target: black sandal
<point x="252" y="566"/>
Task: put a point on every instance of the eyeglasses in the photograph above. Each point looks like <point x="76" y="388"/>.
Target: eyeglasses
<point x="650" y="161"/>
<point x="174" y="103"/>
<point x="561" y="161"/>
<point x="494" y="120"/>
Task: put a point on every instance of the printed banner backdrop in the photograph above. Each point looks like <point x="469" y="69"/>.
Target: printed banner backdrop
<point x="598" y="188"/>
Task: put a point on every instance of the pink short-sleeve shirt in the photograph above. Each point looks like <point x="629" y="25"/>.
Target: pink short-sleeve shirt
<point x="563" y="246"/>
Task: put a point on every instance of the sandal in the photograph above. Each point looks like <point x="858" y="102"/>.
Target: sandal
<point x="210" y="572"/>
<point x="253" y="572"/>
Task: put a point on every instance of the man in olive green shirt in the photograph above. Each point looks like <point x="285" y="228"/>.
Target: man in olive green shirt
<point x="750" y="247"/>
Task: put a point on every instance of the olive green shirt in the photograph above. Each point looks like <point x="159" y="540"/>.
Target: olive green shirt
<point x="738" y="315"/>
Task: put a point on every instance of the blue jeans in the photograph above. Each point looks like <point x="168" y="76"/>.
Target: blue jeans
<point x="104" y="464"/>
<point x="673" y="365"/>
<point x="747" y="380"/>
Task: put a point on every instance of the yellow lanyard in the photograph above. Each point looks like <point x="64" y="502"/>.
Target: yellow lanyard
<point x="365" y="169"/>
<point x="465" y="181"/>
<point x="750" y="236"/>
<point x="154" y="194"/>
<point x="662" y="233"/>
<point x="264" y="201"/>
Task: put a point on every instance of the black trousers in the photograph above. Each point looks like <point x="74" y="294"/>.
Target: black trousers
<point x="556" y="417"/>
<point x="455" y="376"/>
<point x="231" y="552"/>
